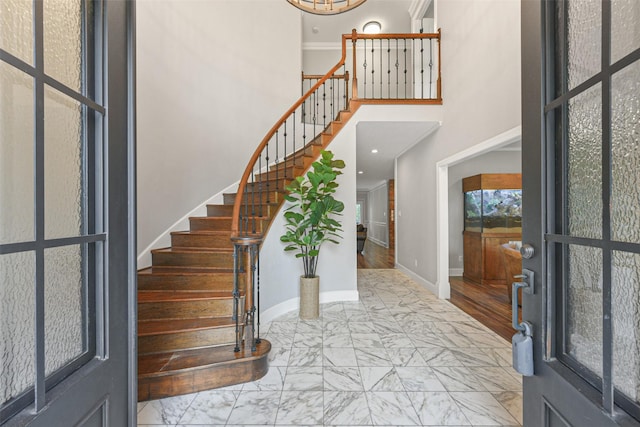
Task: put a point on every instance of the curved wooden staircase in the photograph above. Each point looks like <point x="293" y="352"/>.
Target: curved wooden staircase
<point x="190" y="302"/>
<point x="186" y="333"/>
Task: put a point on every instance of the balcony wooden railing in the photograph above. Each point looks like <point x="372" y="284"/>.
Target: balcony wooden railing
<point x="382" y="68"/>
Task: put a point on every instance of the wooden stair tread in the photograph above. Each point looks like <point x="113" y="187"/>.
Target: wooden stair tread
<point x="155" y="327"/>
<point x="203" y="232"/>
<point x="177" y="296"/>
<point x="161" y="364"/>
<point x="181" y="250"/>
<point x="180" y="270"/>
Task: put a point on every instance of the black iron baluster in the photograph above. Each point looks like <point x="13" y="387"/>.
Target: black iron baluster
<point x="430" y="68"/>
<point x="397" y="70"/>
<point x="421" y="66"/>
<point x="293" y="152"/>
<point x="253" y="202"/>
<point x="236" y="297"/>
<point x="258" y="299"/>
<point x="381" y="95"/>
<point x="332" y="95"/>
<point x="389" y="68"/>
<point x="365" y="68"/>
<point x="284" y="134"/>
<point x="405" y="68"/>
<point x="324" y="105"/>
<point x="266" y="159"/>
<point x="373" y="70"/>
<point x="277" y="159"/>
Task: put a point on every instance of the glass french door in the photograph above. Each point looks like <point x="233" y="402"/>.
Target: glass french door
<point x="64" y="194"/>
<point x="581" y="180"/>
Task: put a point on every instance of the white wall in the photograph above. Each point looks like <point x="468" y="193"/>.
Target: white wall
<point x="493" y="162"/>
<point x="481" y="99"/>
<point x="378" y="231"/>
<point x="212" y="78"/>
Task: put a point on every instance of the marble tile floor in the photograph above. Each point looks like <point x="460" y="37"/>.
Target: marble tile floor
<point x="397" y="357"/>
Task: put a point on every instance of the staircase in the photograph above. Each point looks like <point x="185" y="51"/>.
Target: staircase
<point x="198" y="309"/>
<point x="186" y="329"/>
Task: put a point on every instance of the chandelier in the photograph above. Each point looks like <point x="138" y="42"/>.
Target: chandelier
<point x="326" y="7"/>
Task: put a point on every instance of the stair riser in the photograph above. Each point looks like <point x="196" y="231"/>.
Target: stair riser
<point x="219" y="210"/>
<point x="212" y="282"/>
<point x="254" y="199"/>
<point x="186" y="309"/>
<point x="186" y="340"/>
<point x="212" y="376"/>
<point x="271" y="185"/>
<point x="298" y="162"/>
<point x="209" y="224"/>
<point x="289" y="173"/>
<point x="193" y="259"/>
<point x="201" y="241"/>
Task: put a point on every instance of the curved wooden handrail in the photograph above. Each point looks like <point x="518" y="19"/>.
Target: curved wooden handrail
<point x="354" y="37"/>
<point x="252" y="162"/>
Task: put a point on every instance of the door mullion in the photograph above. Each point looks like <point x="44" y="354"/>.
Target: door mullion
<point x="39" y="388"/>
<point x="607" y="320"/>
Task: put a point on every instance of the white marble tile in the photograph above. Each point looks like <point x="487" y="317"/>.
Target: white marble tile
<point x="278" y="327"/>
<point x="310" y="327"/>
<point x="279" y="356"/>
<point x="141" y="405"/>
<point x="280" y="340"/>
<point x="210" y="407"/>
<point x="335" y="327"/>
<point x="406" y="357"/>
<point x="439" y="356"/>
<point x="304" y="378"/>
<point x="501" y="356"/>
<point x="306" y="356"/>
<point x="481" y="408"/>
<point x="342" y="340"/>
<point x="419" y="379"/>
<point x="367" y="340"/>
<point x="388" y="326"/>
<point x="437" y="408"/>
<point x="474" y="357"/>
<point x="372" y="357"/>
<point x="392" y="409"/>
<point x="339" y="356"/>
<point x="455" y="340"/>
<point x="273" y="380"/>
<point x="426" y="340"/>
<point x="338" y="378"/>
<point x="457" y="379"/>
<point x="255" y="407"/>
<point x="489" y="340"/>
<point x="512" y="402"/>
<point x="300" y="408"/>
<point x="165" y="411"/>
<point x="307" y="340"/>
<point x="346" y="408"/>
<point x="362" y="328"/>
<point x="380" y="378"/>
<point x="496" y="379"/>
<point x="395" y="340"/>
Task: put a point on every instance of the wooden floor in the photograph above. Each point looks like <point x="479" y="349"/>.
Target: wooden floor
<point x="488" y="304"/>
<point x="376" y="256"/>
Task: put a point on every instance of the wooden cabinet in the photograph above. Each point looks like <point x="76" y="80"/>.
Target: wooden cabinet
<point x="483" y="261"/>
<point x="493" y="216"/>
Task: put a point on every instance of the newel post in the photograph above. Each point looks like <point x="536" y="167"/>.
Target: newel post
<point x="354" y="84"/>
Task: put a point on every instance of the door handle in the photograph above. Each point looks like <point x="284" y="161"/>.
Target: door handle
<point x="526" y="284"/>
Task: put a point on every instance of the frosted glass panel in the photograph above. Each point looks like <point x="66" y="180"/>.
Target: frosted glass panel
<point x="625" y="28"/>
<point x="583" y="335"/>
<point x="16" y="155"/>
<point x="625" y="271"/>
<point x="625" y="132"/>
<point x="585" y="164"/>
<point x="64" y="323"/>
<point x="17" y="330"/>
<point x="63" y="41"/>
<point x="16" y="28"/>
<point x="584" y="40"/>
<point x="63" y="165"/>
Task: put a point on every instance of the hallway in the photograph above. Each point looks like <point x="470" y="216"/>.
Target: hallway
<point x="397" y="357"/>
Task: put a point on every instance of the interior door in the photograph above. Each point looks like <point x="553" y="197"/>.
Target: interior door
<point x="581" y="188"/>
<point x="67" y="350"/>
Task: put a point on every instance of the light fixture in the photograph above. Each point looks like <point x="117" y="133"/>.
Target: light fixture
<point x="374" y="151"/>
<point x="372" y="27"/>
<point x="326" y="7"/>
<point x="360" y="172"/>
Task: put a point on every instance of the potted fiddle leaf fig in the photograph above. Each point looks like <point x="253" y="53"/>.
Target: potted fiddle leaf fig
<point x="310" y="222"/>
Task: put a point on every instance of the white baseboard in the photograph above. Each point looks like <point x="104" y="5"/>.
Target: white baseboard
<point x="293" y="304"/>
<point x="456" y="271"/>
<point x="419" y="279"/>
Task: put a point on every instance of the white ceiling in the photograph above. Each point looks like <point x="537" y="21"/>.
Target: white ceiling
<point x="392" y="14"/>
<point x="390" y="139"/>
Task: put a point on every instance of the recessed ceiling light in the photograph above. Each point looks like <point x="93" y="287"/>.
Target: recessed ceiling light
<point x="372" y="27"/>
<point x="360" y="172"/>
<point x="374" y="151"/>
